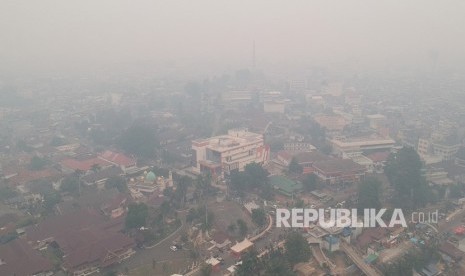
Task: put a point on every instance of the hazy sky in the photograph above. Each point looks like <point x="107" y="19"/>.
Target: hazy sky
<point x="45" y="34"/>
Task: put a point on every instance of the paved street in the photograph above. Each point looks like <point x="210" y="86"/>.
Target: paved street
<point x="160" y="253"/>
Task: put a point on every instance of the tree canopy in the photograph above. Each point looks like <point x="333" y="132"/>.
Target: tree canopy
<point x="137" y="215"/>
<point x="259" y="217"/>
<point x="404" y="171"/>
<point x="254" y="177"/>
<point x="117" y="182"/>
<point x="310" y="182"/>
<point x="368" y="194"/>
<point x="295" y="167"/>
<point x="70" y="184"/>
<point x="297" y="248"/>
<point x="250" y="264"/>
<point x="242" y="227"/>
<point x="37" y="163"/>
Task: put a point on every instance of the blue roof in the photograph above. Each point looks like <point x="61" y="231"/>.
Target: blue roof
<point x="346" y="231"/>
<point x="332" y="239"/>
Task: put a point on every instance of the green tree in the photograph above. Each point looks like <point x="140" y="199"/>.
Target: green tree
<point x="137" y="215"/>
<point x="404" y="171"/>
<point x="297" y="248"/>
<point x="310" y="182"/>
<point x="206" y="270"/>
<point x="256" y="175"/>
<point x="295" y="167"/>
<point x="250" y="264"/>
<point x="182" y="185"/>
<point x="117" y="182"/>
<point x="259" y="217"/>
<point x="238" y="182"/>
<point x="37" y="163"/>
<point x="277" y="265"/>
<point x="368" y="194"/>
<point x="242" y="227"/>
<point x="70" y="184"/>
<point x="51" y="200"/>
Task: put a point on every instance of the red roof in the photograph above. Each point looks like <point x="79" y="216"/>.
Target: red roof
<point x="19" y="258"/>
<point x="460" y="230"/>
<point x="285" y="155"/>
<point x="83" y="165"/>
<point x="84" y="237"/>
<point x="26" y="175"/>
<point x="91" y="246"/>
<point x="117" y="158"/>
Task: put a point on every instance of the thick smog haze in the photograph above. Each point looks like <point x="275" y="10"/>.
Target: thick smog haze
<point x="240" y="137"/>
<point x="80" y="35"/>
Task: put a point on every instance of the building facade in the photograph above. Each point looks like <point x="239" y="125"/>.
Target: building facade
<point x="233" y="151"/>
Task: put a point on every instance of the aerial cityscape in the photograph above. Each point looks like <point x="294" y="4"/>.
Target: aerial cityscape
<point x="211" y="138"/>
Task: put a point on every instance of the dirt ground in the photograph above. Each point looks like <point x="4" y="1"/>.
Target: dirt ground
<point x="228" y="212"/>
<point x="162" y="268"/>
<point x="390" y="254"/>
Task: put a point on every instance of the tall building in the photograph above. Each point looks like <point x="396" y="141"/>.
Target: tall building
<point x="222" y="154"/>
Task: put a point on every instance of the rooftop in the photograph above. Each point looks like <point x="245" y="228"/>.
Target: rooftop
<point x="83" y="165"/>
<point x="234" y="139"/>
<point x="337" y="166"/>
<point x="19" y="258"/>
<point x="372" y="140"/>
<point x="241" y="246"/>
<point x="117" y="158"/>
<point x="285" y="185"/>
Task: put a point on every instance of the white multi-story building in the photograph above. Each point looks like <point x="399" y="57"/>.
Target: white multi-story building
<point x="344" y="145"/>
<point x="446" y="149"/>
<point x="376" y="120"/>
<point x="274" y="106"/>
<point x="233" y="151"/>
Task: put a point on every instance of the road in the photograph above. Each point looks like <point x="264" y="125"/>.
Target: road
<point x="456" y="220"/>
<point x="357" y="259"/>
<point x="161" y="252"/>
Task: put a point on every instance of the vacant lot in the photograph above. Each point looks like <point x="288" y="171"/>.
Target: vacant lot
<point x="228" y="212"/>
